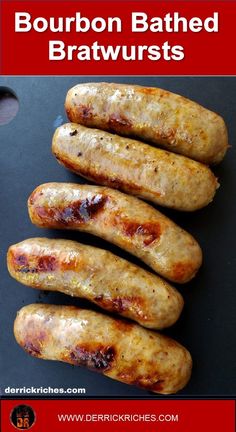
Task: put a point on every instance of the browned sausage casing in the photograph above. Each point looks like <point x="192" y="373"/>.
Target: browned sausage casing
<point x="97" y="275"/>
<point x="152" y="114"/>
<point x="118" y="349"/>
<point x="157" y="175"/>
<point x="121" y="219"/>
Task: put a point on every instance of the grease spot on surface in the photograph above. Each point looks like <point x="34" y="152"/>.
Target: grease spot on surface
<point x="58" y="121"/>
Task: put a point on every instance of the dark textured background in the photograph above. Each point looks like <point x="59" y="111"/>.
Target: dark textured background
<point x="208" y="324"/>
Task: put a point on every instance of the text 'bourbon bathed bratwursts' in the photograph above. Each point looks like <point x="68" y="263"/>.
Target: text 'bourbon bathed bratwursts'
<point x="165" y="178"/>
<point x="97" y="275"/>
<point x="150" y="114"/>
<point x="121" y="219"/>
<point x="118" y="349"/>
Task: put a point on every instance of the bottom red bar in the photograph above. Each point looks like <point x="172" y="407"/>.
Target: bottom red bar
<point x="118" y="415"/>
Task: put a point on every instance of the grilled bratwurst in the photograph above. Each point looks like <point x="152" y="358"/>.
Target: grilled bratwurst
<point x="165" y="178"/>
<point x="121" y="219"/>
<point x="158" y="116"/>
<point x="121" y="350"/>
<point x="97" y="275"/>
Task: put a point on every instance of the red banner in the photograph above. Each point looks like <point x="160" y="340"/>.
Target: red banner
<point x="164" y="37"/>
<point x="118" y="416"/>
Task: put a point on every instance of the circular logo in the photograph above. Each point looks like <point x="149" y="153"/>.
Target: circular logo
<point x="22" y="417"/>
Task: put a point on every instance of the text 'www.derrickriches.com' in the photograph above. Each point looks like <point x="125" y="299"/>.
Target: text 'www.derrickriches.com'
<point x="45" y="390"/>
<point x="86" y="418"/>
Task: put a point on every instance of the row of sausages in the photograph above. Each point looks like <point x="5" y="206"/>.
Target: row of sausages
<point x="119" y="349"/>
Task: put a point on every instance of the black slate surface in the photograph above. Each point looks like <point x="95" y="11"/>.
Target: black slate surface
<point x="208" y="324"/>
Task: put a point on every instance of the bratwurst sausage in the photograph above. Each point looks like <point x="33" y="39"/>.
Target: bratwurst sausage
<point x="157" y="116"/>
<point x="118" y="349"/>
<point x="157" y="175"/>
<point x="121" y="219"/>
<point x="97" y="275"/>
